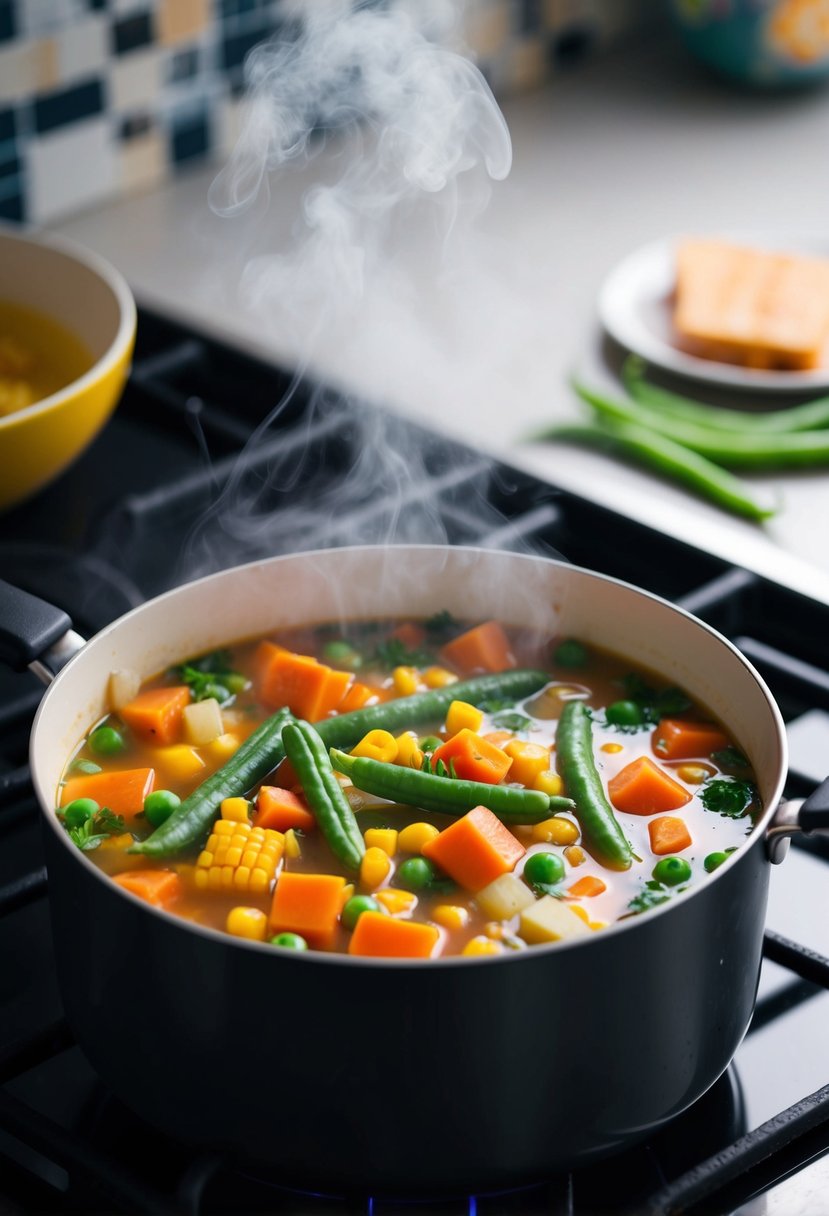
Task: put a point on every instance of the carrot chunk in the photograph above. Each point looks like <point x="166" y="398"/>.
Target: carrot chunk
<point x="475" y="849"/>
<point x="309" y="689"/>
<point x="308" y="904"/>
<point x="379" y="936"/>
<point x="158" y="887"/>
<point x="409" y="634"/>
<point x="643" y="788"/>
<point x="484" y="648"/>
<point x="587" y="886"/>
<point x="282" y="809"/>
<point x="356" y="697"/>
<point x="473" y="758"/>
<point x="668" y="835"/>
<point x="155" y="714"/>
<point x="123" y="792"/>
<point x="675" y="739"/>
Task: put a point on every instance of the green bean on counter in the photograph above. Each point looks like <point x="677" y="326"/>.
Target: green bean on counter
<point x="448" y="795"/>
<point x="601" y="832"/>
<point x="323" y="793"/>
<point x="262" y="751"/>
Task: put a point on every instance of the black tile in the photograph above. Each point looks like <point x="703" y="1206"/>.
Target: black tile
<point x="8" y="126"/>
<point x="184" y="65"/>
<point x="189" y="139"/>
<point x="8" y="20"/>
<point x="234" y="47"/>
<point x="68" y="105"/>
<point x="134" y="125"/>
<point x="131" y="33"/>
<point x="13" y="208"/>
<point x="9" y="166"/>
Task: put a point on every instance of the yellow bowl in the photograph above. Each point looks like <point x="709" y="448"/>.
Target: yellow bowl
<point x="87" y="296"/>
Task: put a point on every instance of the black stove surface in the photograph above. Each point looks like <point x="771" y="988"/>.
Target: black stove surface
<point x="214" y="458"/>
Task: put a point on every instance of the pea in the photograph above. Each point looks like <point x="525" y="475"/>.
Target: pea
<point x="235" y="682"/>
<point x="543" y="869"/>
<point x="342" y="653"/>
<point x="216" y="692"/>
<point x="106" y="741"/>
<point x="671" y="871"/>
<point x="624" y="713"/>
<point x="713" y="861"/>
<point x="416" y="873"/>
<point x="75" y="814"/>
<point x="355" y="907"/>
<point x="570" y="653"/>
<point x="289" y="941"/>
<point x="159" y="805"/>
<point x="430" y="743"/>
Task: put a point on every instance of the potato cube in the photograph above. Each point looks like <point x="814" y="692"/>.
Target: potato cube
<point x="504" y="897"/>
<point x="551" y="920"/>
<point x="203" y="721"/>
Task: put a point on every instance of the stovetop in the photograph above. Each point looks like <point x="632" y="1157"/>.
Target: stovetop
<point x="214" y="458"/>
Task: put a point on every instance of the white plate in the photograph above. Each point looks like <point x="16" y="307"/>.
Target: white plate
<point x="635" y="310"/>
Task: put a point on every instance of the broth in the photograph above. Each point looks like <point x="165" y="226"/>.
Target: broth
<point x="38" y="357"/>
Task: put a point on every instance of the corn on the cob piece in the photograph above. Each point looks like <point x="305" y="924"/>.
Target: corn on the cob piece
<point x="239" y="857"/>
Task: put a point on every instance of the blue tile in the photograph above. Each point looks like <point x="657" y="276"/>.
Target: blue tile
<point x="9" y="166"/>
<point x="131" y="33"/>
<point x="8" y="126"/>
<point x="13" y="208"/>
<point x="8" y="20"/>
<point x="68" y="105"/>
<point x="189" y="138"/>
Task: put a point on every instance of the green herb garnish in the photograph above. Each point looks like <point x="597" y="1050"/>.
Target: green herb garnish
<point x="211" y="676"/>
<point x="90" y="834"/>
<point x="651" y="896"/>
<point x="726" y="796"/>
<point x="512" y="720"/>
<point x="394" y="653"/>
<point x="442" y="626"/>
<point x="655" y="704"/>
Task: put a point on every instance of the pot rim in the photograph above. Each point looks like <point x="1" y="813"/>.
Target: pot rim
<point x="511" y="958"/>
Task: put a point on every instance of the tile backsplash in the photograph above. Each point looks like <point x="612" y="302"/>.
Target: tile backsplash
<point x="101" y="97"/>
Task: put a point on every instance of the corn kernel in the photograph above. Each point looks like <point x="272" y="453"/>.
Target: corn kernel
<point x="556" y="830"/>
<point x="292" y="845"/>
<point x="374" y="867"/>
<point x="460" y="715"/>
<point x="494" y="930"/>
<point x="481" y="945"/>
<point x="549" y="782"/>
<point x="377" y="745"/>
<point x="575" y="855"/>
<point x="395" y="901"/>
<point x="412" y="838"/>
<point x="382" y="838"/>
<point x="223" y="747"/>
<point x="233" y="856"/>
<point x="250" y="923"/>
<point x="178" y="762"/>
<point x="408" y="753"/>
<point x="223" y="827"/>
<point x="529" y="760"/>
<point x="612" y="747"/>
<point x="451" y="916"/>
<point x="226" y="877"/>
<point x="694" y="774"/>
<point x="241" y="878"/>
<point x="406" y="680"/>
<point x="259" y="880"/>
<point x="239" y="857"/>
<point x="438" y="677"/>
<point x="348" y="891"/>
<point x="237" y="810"/>
<point x="201" y="878"/>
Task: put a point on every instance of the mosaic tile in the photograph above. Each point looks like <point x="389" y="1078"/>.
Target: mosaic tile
<point x="8" y="20"/>
<point x="142" y="162"/>
<point x="70" y="169"/>
<point x="82" y="48"/>
<point x="133" y="32"/>
<point x="68" y="106"/>
<point x="182" y="20"/>
<point x="8" y="125"/>
<point x="190" y="136"/>
<point x="27" y="67"/>
<point x="136" y="80"/>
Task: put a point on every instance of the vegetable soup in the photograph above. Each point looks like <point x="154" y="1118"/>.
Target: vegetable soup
<point x="411" y="789"/>
<point x="38" y="357"/>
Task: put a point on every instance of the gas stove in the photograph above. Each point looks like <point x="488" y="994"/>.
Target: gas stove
<point x="214" y="458"/>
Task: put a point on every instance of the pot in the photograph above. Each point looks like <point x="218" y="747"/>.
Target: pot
<point x="388" y="1075"/>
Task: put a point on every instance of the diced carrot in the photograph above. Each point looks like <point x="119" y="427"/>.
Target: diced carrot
<point x="123" y="791"/>
<point x="587" y="886"/>
<point x="281" y="809"/>
<point x="379" y="936"/>
<point x="158" y="887"/>
<point x="309" y="689"/>
<point x="410" y="634"/>
<point x="484" y="648"/>
<point x="498" y="737"/>
<point x="473" y="758"/>
<point x="356" y="697"/>
<point x="675" y="739"/>
<point x="475" y="849"/>
<point x="668" y="835"/>
<point x="308" y="904"/>
<point x="643" y="788"/>
<point x="155" y="714"/>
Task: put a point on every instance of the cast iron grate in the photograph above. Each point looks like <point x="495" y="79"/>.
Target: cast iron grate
<point x="189" y="433"/>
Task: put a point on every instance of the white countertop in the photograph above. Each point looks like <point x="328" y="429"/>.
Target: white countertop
<point x="623" y="150"/>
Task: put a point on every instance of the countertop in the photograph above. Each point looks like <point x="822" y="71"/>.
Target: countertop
<point x="472" y="320"/>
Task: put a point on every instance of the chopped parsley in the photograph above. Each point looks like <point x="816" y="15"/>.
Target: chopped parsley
<point x="731" y="760"/>
<point x="211" y="676"/>
<point x="651" y="896"/>
<point x="511" y="720"/>
<point x="96" y="828"/>
<point x="727" y="796"/>
<point x="395" y="653"/>
<point x="442" y="626"/>
<point x="665" y="703"/>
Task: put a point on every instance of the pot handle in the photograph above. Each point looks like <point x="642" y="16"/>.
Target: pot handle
<point x="797" y="815"/>
<point x="34" y="633"/>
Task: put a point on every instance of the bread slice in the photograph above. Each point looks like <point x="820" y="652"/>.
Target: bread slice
<point x="749" y="306"/>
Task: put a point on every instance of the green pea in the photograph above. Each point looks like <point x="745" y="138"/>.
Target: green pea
<point x="75" y="814"/>
<point x="543" y="869"/>
<point x="342" y="653"/>
<point x="570" y="653"/>
<point x="159" y="806"/>
<point x="713" y="861"/>
<point x="430" y="743"/>
<point x="624" y="713"/>
<point x="85" y="766"/>
<point x="235" y="682"/>
<point x="355" y="907"/>
<point x="106" y="741"/>
<point x="214" y="691"/>
<point x="289" y="941"/>
<point x="416" y="873"/>
<point x="671" y="871"/>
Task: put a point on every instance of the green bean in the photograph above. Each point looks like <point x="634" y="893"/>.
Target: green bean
<point x="191" y="821"/>
<point x="662" y="454"/>
<point x="323" y="792"/>
<point x="811" y="415"/>
<point x="737" y="448"/>
<point x="601" y="832"/>
<point x="448" y="795"/>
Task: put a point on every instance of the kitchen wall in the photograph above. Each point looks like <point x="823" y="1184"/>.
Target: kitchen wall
<point x="102" y="97"/>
